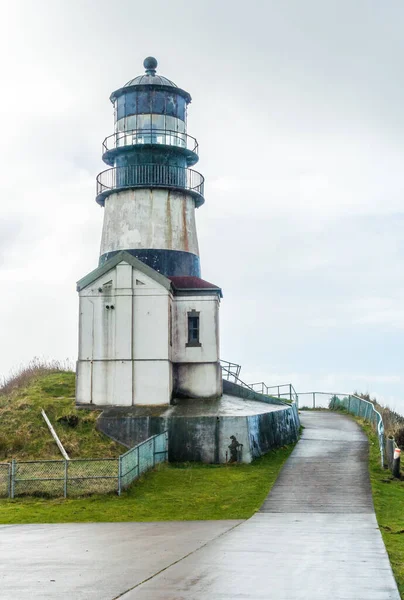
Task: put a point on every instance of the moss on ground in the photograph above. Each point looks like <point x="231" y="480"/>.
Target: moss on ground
<point x="24" y="434"/>
<point x="182" y="492"/>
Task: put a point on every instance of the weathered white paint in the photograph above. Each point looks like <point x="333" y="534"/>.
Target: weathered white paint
<point x="149" y="219"/>
<point x="208" y="307"/>
<point x="133" y="341"/>
<point x="197" y="370"/>
<point x="193" y="380"/>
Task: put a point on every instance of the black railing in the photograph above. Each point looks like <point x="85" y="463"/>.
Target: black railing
<point x="152" y="175"/>
<point x="150" y="136"/>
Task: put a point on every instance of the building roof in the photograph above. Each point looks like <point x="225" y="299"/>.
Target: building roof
<point x="150" y="78"/>
<point x="188" y="283"/>
<point x="179" y="285"/>
<point x="147" y="79"/>
<point x="123" y="256"/>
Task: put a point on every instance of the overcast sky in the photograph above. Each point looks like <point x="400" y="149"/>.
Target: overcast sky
<point x="298" y="110"/>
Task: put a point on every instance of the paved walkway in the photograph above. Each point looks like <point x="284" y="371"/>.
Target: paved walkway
<point x="315" y="538"/>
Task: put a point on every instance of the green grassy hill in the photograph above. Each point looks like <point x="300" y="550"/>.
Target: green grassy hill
<point x="25" y="435"/>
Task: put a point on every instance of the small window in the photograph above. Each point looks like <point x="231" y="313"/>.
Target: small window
<point x="193" y="328"/>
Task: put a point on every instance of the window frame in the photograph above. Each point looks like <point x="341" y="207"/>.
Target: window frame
<point x="193" y="342"/>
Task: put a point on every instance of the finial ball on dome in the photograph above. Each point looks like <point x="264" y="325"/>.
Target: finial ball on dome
<point x="150" y="63"/>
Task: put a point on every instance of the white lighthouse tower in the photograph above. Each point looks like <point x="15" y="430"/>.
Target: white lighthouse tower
<point x="148" y="325"/>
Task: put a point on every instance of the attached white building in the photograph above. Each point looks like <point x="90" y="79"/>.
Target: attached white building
<point x="145" y="338"/>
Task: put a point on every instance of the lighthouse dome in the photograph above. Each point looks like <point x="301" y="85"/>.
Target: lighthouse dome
<point x="150" y="77"/>
<point x="149" y="81"/>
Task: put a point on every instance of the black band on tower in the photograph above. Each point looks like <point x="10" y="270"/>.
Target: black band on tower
<point x="166" y="262"/>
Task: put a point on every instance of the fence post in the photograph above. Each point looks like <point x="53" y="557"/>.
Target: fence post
<point x="349" y="403"/>
<point x="65" y="481"/>
<point x="12" y="477"/>
<point x="119" y="476"/>
<point x="9" y="481"/>
<point x="154" y="451"/>
<point x="314" y="399"/>
<point x="138" y="462"/>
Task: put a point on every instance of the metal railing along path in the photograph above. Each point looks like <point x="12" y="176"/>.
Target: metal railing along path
<point x="285" y="390"/>
<point x="231" y="372"/>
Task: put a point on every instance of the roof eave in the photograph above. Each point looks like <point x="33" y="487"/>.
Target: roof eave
<point x="197" y="291"/>
<point x="148" y="86"/>
<point x="123" y="256"/>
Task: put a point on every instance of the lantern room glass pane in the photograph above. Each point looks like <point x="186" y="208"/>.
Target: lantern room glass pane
<point x="171" y="123"/>
<point x="120" y="125"/>
<point x="181" y="107"/>
<point x="144" y="122"/>
<point x="121" y="107"/>
<point x="171" y="105"/>
<point x="131" y="103"/>
<point x="143" y="102"/>
<point x="159" y="102"/>
<point x="158" y="121"/>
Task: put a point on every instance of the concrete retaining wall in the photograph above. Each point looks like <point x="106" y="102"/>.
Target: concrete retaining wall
<point x="207" y="438"/>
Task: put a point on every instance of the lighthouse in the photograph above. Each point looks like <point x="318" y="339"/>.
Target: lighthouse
<point x="148" y="322"/>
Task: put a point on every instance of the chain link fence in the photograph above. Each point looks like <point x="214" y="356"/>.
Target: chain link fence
<point x="81" y="477"/>
<point x="5" y="469"/>
<point x="141" y="458"/>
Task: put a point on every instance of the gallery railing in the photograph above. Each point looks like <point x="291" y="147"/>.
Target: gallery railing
<point x="153" y="175"/>
<point x="164" y="137"/>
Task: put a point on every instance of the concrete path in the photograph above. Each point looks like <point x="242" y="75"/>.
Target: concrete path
<point x="316" y="538"/>
<point x="94" y="561"/>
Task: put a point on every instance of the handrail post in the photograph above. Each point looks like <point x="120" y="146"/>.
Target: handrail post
<point x="314" y="400"/>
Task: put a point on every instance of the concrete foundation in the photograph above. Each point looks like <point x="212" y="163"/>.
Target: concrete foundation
<point x="204" y="430"/>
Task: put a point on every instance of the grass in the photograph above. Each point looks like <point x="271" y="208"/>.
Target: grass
<point x="23" y="432"/>
<point x="388" y="498"/>
<point x="182" y="492"/>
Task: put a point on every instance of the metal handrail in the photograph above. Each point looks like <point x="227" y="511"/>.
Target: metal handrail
<point x="133" y="137"/>
<point x="267" y="389"/>
<point x="153" y="175"/>
<point x="231" y="369"/>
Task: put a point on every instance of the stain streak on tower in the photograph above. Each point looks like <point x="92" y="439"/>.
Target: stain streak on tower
<point x="150" y="193"/>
